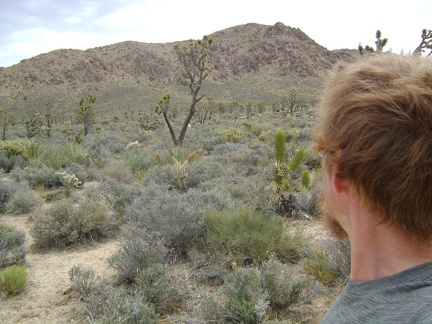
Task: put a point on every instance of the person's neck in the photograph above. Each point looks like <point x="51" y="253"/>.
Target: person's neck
<point x="382" y="250"/>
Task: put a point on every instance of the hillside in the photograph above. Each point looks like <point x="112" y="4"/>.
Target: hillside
<point x="252" y="62"/>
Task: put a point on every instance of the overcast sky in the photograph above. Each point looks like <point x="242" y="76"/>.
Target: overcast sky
<point x="32" y="27"/>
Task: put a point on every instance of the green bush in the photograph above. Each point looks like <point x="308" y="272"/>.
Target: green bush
<point x="245" y="233"/>
<point x="12" y="248"/>
<point x="13" y="279"/>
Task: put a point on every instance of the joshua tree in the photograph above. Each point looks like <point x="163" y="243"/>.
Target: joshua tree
<point x="86" y="114"/>
<point x="426" y="42"/>
<point x="293" y="102"/>
<point x="49" y="118"/>
<point x="379" y="44"/>
<point x="194" y="60"/>
<point x="5" y="120"/>
<point x="280" y="187"/>
<point x="33" y="123"/>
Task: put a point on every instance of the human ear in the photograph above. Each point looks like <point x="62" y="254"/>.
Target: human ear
<point x="338" y="183"/>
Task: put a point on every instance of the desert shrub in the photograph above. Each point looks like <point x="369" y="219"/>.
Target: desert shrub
<point x="76" y="153"/>
<point x="159" y="289"/>
<point x="7" y="189"/>
<point x="177" y="217"/>
<point x="32" y="150"/>
<point x="249" y="190"/>
<point x="83" y="280"/>
<point x="59" y="227"/>
<point x="282" y="286"/>
<point x="121" y="307"/>
<point x="297" y="122"/>
<point x="118" y="170"/>
<point x="160" y="175"/>
<point x="233" y="135"/>
<point x="64" y="224"/>
<point x="24" y="200"/>
<point x="246" y="301"/>
<point x="329" y="262"/>
<point x="117" y="194"/>
<point x="13" y="279"/>
<point x="37" y="177"/>
<point x="140" y="161"/>
<point x="139" y="250"/>
<point x="203" y="170"/>
<point x="219" y="197"/>
<point x="82" y="172"/>
<point x="7" y="163"/>
<point x="212" y="310"/>
<point x="96" y="219"/>
<point x="208" y="143"/>
<point x="305" y="201"/>
<point x="264" y="151"/>
<point x="304" y="135"/>
<point x="15" y="147"/>
<point x="12" y="248"/>
<point x="235" y="153"/>
<point x="52" y="157"/>
<point x="248" y="234"/>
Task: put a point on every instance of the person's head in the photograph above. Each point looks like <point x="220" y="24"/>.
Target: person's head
<point x="375" y="124"/>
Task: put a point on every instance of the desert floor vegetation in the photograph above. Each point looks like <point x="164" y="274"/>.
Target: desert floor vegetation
<point x="219" y="230"/>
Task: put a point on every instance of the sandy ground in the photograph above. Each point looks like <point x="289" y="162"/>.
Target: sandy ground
<point x="48" y="297"/>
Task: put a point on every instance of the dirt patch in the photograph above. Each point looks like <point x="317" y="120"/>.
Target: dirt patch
<point x="47" y="297"/>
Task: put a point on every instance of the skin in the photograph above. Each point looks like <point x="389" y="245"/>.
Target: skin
<point x="378" y="250"/>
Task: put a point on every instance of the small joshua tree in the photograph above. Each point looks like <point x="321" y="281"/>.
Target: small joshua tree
<point x="6" y="119"/>
<point x="280" y="187"/>
<point x="33" y="123"/>
<point x="49" y="118"/>
<point x="86" y="114"/>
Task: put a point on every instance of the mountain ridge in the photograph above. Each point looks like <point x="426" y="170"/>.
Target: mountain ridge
<point x="251" y="62"/>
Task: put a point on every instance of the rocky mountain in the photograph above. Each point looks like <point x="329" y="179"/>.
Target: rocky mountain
<point x="252" y="62"/>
